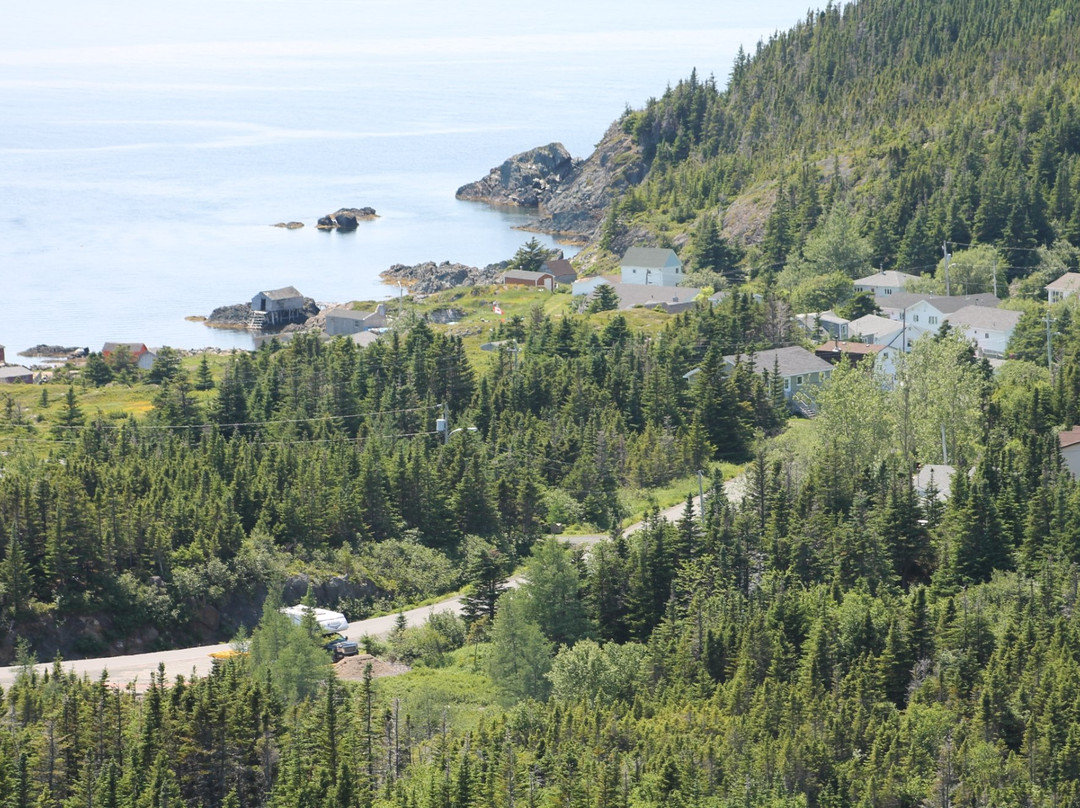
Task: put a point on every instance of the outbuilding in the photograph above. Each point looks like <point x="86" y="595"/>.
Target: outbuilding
<point x="523" y="277"/>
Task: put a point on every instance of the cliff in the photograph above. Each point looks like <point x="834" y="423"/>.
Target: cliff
<point x="571" y="196"/>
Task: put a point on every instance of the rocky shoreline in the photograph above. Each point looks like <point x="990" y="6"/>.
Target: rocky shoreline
<point x="430" y="277"/>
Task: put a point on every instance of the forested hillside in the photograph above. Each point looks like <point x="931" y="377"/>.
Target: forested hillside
<point x="921" y="123"/>
<point x="830" y="635"/>
<point x="329" y="454"/>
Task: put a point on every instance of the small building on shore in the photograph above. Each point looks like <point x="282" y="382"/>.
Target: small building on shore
<point x="561" y="270"/>
<point x="277" y="307"/>
<point x="522" y="277"/>
<point x="342" y="321"/>
<point x="144" y="357"/>
<point x="16" y="374"/>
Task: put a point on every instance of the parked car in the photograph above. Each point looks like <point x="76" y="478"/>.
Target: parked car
<point x="340" y="646"/>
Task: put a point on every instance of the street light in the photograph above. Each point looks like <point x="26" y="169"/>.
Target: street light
<point x="459" y="429"/>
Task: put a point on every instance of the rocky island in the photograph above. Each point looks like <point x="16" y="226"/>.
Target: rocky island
<point x="346" y="219"/>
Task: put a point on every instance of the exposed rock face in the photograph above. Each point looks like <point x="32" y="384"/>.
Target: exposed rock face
<point x="235" y="316"/>
<point x="345" y="219"/>
<point x="290" y="225"/>
<point x="431" y="277"/>
<point x="332" y="590"/>
<point x="572" y="196"/>
<point x="578" y="207"/>
<point x="525" y="180"/>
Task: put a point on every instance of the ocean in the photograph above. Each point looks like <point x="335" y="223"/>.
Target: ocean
<point x="147" y="148"/>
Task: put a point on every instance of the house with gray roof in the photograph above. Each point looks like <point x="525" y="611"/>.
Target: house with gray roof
<point x="560" y="269"/>
<point x="800" y="369"/>
<point x="524" y="277"/>
<point x="277" y="307"/>
<point x="885" y="283"/>
<point x="16" y="374"/>
<point x="651" y="266"/>
<point x="342" y="321"/>
<point x="989" y="329"/>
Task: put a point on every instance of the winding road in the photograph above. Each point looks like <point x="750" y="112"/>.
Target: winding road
<point x="136" y="668"/>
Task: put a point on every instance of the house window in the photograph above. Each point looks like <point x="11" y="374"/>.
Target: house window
<point x="888" y="291"/>
<point x="915" y="318"/>
<point x="798" y="380"/>
<point x="787" y="384"/>
<point x="932" y="320"/>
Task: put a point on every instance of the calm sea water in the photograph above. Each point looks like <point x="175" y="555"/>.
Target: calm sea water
<point x="145" y="148"/>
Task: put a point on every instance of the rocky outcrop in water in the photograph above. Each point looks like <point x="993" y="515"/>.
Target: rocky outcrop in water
<point x="289" y="225"/>
<point x="525" y="180"/>
<point x="572" y="196"/>
<point x="345" y="219"/>
<point x="431" y="277"/>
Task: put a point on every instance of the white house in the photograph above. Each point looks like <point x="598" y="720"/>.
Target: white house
<point x="1065" y="286"/>
<point x="904" y="305"/>
<point x="651" y="266"/>
<point x="885" y="283"/>
<point x="989" y="329"/>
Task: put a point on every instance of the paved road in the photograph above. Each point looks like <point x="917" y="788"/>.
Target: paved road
<point x="187" y="661"/>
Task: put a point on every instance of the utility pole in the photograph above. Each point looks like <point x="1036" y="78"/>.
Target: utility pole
<point x="995" y="277"/>
<point x="1049" y="345"/>
<point x="701" y="496"/>
<point x="945" y="250"/>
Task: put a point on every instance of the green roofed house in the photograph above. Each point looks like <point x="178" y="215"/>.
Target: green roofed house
<point x="651" y="266"/>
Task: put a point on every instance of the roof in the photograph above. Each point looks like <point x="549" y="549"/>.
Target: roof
<point x="525" y="275"/>
<point x="15" y="372"/>
<point x="873" y="324"/>
<point x="946" y="304"/>
<point x="845" y="347"/>
<point x="638" y="294"/>
<point x="281" y="294"/>
<point x="1069" y="437"/>
<point x="650" y="257"/>
<point x="133" y="347"/>
<point x="980" y="317"/>
<point x="1069" y="282"/>
<point x="942" y="476"/>
<point x="364" y="338"/>
<point x="888" y="277"/>
<point x="559" y="266"/>
<point x="788" y="361"/>
<point x="952" y="303"/>
<point x="348" y="314"/>
<point x="900" y="300"/>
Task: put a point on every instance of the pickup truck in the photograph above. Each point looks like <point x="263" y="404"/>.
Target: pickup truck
<point x="331" y="623"/>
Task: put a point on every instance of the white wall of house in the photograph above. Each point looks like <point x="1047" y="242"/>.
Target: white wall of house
<point x="923" y="317"/>
<point x="1071" y="456"/>
<point x="653" y="276"/>
<point x="988" y="340"/>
